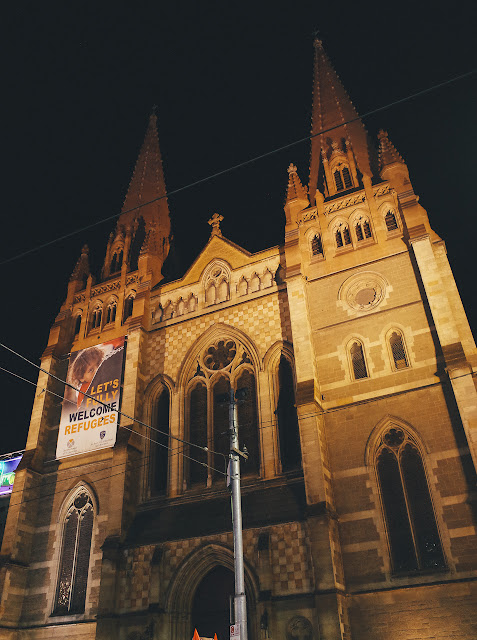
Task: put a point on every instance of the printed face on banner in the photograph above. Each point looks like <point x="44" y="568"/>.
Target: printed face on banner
<point x="89" y="417"/>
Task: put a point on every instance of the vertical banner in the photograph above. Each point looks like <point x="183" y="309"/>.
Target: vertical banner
<point x="7" y="474"/>
<point x="89" y="417"/>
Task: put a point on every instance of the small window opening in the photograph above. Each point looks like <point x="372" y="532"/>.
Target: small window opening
<point x="390" y="219"/>
<point x="347" y="178"/>
<point x="77" y="324"/>
<point x="358" y="361"/>
<point x="128" y="307"/>
<point x="97" y="315"/>
<point x="317" y="246"/>
<point x="359" y="232"/>
<point x="338" y="181"/>
<point x="398" y="351"/>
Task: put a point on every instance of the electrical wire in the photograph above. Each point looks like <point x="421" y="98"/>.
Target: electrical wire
<point x="245" y="163"/>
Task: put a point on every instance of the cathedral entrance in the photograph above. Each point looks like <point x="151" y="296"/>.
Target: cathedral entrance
<point x="211" y="604"/>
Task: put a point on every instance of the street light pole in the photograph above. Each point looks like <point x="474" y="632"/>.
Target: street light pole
<point x="240" y="604"/>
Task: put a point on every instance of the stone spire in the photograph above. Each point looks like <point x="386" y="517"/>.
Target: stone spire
<point x="332" y="108"/>
<point x="81" y="270"/>
<point x="148" y="186"/>
<point x="295" y="190"/>
<point x="391" y="163"/>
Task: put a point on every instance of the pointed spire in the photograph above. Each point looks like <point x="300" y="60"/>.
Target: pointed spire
<point x="81" y="270"/>
<point x="148" y="185"/>
<point x="332" y="108"/>
<point x="388" y="153"/>
<point x="295" y="190"/>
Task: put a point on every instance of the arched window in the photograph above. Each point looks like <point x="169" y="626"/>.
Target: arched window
<point x="111" y="311"/>
<point x="342" y="235"/>
<point x="128" y="307"/>
<point x="96" y="318"/>
<point x="342" y="178"/>
<point x="74" y="564"/>
<point x="410" y="521"/>
<point x="363" y="229"/>
<point x="317" y="246"/>
<point x="198" y="433"/>
<point x="77" y="324"/>
<point x="247" y="418"/>
<point x="390" y="220"/>
<point x="358" y="362"/>
<point x="287" y="418"/>
<point x="161" y="451"/>
<point x="114" y="264"/>
<point x="398" y="350"/>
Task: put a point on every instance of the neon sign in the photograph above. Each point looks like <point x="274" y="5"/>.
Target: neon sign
<point x="7" y="474"/>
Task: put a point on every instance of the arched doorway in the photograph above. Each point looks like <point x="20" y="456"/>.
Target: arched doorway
<point x="211" y="604"/>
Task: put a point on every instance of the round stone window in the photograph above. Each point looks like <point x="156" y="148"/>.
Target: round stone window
<point x="363" y="291"/>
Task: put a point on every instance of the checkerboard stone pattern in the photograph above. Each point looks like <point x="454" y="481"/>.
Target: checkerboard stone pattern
<point x="265" y="320"/>
<point x="134" y="580"/>
<point x="291" y="559"/>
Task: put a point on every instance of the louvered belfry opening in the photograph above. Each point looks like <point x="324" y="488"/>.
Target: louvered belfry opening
<point x="358" y="362"/>
<point x="76" y="548"/>
<point x="390" y="220"/>
<point x="317" y="246"/>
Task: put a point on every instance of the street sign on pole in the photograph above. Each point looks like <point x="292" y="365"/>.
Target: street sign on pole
<point x="235" y="632"/>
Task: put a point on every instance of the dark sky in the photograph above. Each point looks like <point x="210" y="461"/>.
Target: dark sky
<point x="231" y="81"/>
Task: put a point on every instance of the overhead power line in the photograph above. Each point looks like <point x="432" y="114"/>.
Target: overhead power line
<point x="239" y="165"/>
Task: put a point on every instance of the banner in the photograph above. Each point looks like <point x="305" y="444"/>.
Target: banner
<point x="89" y="417"/>
<point x="7" y="474"/>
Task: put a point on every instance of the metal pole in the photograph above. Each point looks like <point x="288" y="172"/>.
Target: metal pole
<point x="239" y="602"/>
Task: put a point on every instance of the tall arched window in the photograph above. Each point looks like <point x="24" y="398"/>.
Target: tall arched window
<point x="75" y="551"/>
<point x="128" y="307"/>
<point x="410" y="521"/>
<point x="398" y="350"/>
<point x="343" y="236"/>
<point x="358" y="363"/>
<point x="161" y="445"/>
<point x="221" y="393"/>
<point x="198" y="433"/>
<point x="363" y="229"/>
<point x="77" y="324"/>
<point x="287" y="418"/>
<point x="317" y="246"/>
<point x="111" y="311"/>
<point x="96" y="317"/>
<point x="342" y="178"/>
<point x="247" y="418"/>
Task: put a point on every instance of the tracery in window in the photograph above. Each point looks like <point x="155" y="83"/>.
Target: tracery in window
<point x="363" y="229"/>
<point x="96" y="317"/>
<point x="223" y="365"/>
<point x="398" y="350"/>
<point x="287" y="418"/>
<point x="111" y="311"/>
<point x="74" y="564"/>
<point x="390" y="220"/>
<point x="358" y="362"/>
<point x="410" y="521"/>
<point x="317" y="246"/>
<point x="342" y="178"/>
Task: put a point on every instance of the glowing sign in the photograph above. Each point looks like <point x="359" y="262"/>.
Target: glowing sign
<point x="7" y="474"/>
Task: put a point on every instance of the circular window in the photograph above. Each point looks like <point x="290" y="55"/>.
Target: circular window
<point x="220" y="355"/>
<point x="363" y="291"/>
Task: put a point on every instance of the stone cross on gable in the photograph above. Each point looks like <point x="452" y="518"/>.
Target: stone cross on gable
<point x="215" y="224"/>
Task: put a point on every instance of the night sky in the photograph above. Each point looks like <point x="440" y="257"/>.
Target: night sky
<point x="231" y="81"/>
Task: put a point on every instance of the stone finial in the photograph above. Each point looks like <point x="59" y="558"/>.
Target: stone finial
<point x="81" y="269"/>
<point x="295" y="189"/>
<point x="388" y="153"/>
<point x="214" y="222"/>
<point x="292" y="168"/>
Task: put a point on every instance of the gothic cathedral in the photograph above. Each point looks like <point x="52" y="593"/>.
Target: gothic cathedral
<point x="359" y="416"/>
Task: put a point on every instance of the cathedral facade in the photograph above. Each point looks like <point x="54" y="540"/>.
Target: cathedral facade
<point x="359" y="416"/>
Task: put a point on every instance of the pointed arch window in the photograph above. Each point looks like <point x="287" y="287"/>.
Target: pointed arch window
<point x="398" y="350"/>
<point x="161" y="444"/>
<point x="96" y="317"/>
<point x="363" y="230"/>
<point x="247" y="416"/>
<point x="391" y="222"/>
<point x="287" y="418"/>
<point x="78" y="324"/>
<point x="342" y="178"/>
<point x="128" y="307"/>
<point x="198" y="433"/>
<point x="410" y="520"/>
<point x="111" y="311"/>
<point x="74" y="564"/>
<point x="317" y="246"/>
<point x="342" y="235"/>
<point x="358" y="362"/>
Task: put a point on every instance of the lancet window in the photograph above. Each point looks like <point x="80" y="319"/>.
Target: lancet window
<point x="116" y="261"/>
<point x="358" y="362"/>
<point x="128" y="307"/>
<point x="398" y="350"/>
<point x="342" y="235"/>
<point x="111" y="311"/>
<point x="391" y="222"/>
<point x="223" y="366"/>
<point x="342" y="178"/>
<point x="96" y="317"/>
<point x="78" y="324"/>
<point x="160" y="443"/>
<point x="316" y="245"/>
<point x="287" y="418"/>
<point x="363" y="229"/>
<point x="408" y="511"/>
<point x="217" y="287"/>
<point x="75" y="552"/>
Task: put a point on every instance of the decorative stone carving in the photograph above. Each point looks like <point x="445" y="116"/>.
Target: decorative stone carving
<point x="363" y="291"/>
<point x="299" y="628"/>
